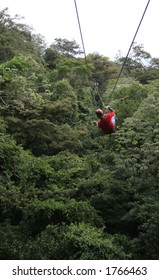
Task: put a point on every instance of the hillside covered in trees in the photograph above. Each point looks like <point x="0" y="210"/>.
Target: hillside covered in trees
<point x="66" y="192"/>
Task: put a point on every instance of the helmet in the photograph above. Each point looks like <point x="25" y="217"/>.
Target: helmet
<point x="99" y="112"/>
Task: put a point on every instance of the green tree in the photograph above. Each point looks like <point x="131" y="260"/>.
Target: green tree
<point x="17" y="38"/>
<point x="66" y="47"/>
<point x="22" y="79"/>
<point x="127" y="98"/>
<point x="51" y="58"/>
<point x="102" y="69"/>
<point x="77" y="242"/>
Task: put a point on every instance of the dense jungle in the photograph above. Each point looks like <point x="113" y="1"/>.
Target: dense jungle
<point x="67" y="192"/>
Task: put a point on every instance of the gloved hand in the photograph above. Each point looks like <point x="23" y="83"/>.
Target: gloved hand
<point x="107" y="107"/>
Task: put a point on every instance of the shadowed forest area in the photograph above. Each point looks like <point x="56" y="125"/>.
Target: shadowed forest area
<point x="66" y="192"/>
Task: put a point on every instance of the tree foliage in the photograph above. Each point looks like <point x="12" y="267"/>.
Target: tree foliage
<point x="66" y="47"/>
<point x="67" y="192"/>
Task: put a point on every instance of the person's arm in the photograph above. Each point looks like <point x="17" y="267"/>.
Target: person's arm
<point x="95" y="122"/>
<point x="110" y="108"/>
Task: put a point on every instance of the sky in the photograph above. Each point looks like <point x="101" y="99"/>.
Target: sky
<point x="108" y="26"/>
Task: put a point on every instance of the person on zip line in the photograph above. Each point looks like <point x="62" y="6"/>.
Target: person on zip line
<point x="107" y="122"/>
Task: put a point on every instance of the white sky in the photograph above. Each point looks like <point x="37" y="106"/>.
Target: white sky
<point x="107" y="25"/>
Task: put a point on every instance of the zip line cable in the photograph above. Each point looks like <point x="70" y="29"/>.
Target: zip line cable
<point x="79" y="25"/>
<point x="129" y="50"/>
<point x="80" y="32"/>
